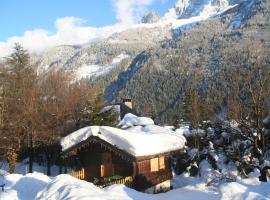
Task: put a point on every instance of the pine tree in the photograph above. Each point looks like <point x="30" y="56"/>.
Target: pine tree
<point x="19" y="59"/>
<point x="20" y="100"/>
<point x="92" y="114"/>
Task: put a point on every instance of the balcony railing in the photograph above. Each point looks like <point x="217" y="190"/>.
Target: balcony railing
<point x="127" y="181"/>
<point x="78" y="174"/>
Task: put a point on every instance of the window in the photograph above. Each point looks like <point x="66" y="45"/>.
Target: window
<point x="157" y="164"/>
<point x="154" y="165"/>
<point x="161" y="162"/>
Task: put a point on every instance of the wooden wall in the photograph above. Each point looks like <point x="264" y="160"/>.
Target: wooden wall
<point x="94" y="156"/>
<point x="145" y="178"/>
<point x="91" y="159"/>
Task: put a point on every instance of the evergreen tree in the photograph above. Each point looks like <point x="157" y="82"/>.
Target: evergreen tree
<point x="20" y="102"/>
<point x="92" y="114"/>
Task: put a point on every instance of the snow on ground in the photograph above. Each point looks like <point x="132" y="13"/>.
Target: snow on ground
<point x="22" y="187"/>
<point x="64" y="187"/>
<point x="237" y="191"/>
<point x="23" y="168"/>
<point x="136" y="142"/>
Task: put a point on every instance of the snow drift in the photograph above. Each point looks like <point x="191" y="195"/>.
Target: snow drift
<point x="64" y="187"/>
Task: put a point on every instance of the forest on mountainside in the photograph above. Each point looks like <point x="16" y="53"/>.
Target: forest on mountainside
<point x="157" y="80"/>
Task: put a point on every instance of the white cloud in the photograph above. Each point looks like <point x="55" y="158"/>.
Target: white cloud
<point x="130" y="11"/>
<point x="69" y="31"/>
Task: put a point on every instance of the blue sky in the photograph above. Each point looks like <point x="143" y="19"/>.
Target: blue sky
<point x="18" y="16"/>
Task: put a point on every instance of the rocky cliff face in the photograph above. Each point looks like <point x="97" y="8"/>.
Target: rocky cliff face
<point x="185" y="9"/>
<point x="151" y="17"/>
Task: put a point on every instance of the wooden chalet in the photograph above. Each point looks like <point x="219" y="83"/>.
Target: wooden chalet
<point x="107" y="157"/>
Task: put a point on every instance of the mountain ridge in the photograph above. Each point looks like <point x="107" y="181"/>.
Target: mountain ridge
<point x="145" y="35"/>
<point x="151" y="70"/>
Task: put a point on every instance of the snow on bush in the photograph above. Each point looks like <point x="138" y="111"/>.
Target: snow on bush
<point x="184" y="130"/>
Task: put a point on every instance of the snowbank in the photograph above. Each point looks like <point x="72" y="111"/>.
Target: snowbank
<point x="237" y="191"/>
<point x="135" y="142"/>
<point x="22" y="187"/>
<point x="64" y="187"/>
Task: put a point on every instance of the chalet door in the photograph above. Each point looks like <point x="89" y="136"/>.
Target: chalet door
<point x="106" y="165"/>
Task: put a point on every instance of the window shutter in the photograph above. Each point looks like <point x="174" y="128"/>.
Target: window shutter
<point x="154" y="164"/>
<point x="161" y="162"/>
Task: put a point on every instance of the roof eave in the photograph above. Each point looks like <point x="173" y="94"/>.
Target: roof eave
<point x="104" y="144"/>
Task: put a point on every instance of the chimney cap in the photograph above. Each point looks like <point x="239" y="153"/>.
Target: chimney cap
<point x="126" y="99"/>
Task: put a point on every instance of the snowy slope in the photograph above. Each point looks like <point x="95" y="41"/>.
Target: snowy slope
<point x="84" y="60"/>
<point x="88" y="71"/>
<point x="184" y="9"/>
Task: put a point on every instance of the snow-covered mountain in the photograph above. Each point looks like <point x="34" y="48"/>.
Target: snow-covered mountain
<point x="184" y="9"/>
<point x="133" y="40"/>
<point x="144" y="61"/>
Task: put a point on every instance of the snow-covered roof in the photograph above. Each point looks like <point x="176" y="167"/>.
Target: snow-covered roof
<point x="130" y="120"/>
<point x="137" y="141"/>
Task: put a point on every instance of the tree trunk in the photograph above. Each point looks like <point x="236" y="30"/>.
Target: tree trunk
<point x="12" y="159"/>
<point x="31" y="153"/>
<point x="60" y="166"/>
<point x="48" y="163"/>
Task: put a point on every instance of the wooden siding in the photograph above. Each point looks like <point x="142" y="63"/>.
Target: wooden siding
<point x="99" y="162"/>
<point x="146" y="179"/>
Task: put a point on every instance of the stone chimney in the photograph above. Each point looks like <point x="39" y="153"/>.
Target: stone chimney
<point x="128" y="103"/>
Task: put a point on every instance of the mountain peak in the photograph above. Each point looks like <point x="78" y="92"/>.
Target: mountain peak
<point x="184" y="9"/>
<point x="151" y="17"/>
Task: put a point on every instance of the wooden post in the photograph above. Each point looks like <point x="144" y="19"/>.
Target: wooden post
<point x="135" y="169"/>
<point x="102" y="170"/>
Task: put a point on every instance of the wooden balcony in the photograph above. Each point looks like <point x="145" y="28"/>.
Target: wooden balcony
<point x="78" y="174"/>
<point x="127" y="181"/>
